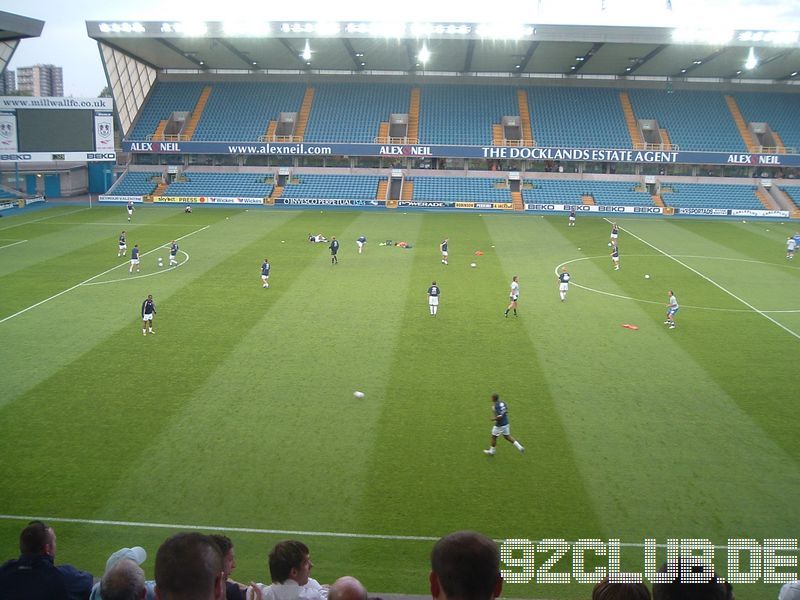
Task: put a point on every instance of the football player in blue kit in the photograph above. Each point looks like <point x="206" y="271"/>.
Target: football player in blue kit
<point x="173" y="253"/>
<point x="501" y="426"/>
<point x="123" y="244"/>
<point x="334" y="247"/>
<point x="148" y="312"/>
<point x="433" y="298"/>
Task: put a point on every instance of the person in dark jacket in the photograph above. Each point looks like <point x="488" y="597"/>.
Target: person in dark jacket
<point x="34" y="575"/>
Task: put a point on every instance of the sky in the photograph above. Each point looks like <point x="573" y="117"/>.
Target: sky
<point x="64" y="41"/>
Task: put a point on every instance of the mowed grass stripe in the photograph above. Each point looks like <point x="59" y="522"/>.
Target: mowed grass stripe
<point x="753" y="346"/>
<point x="132" y="387"/>
<point x="277" y="419"/>
<point x="436" y="423"/>
<point x="647" y="420"/>
<point x="55" y="333"/>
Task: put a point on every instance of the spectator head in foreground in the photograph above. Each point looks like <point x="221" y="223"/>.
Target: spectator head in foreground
<point x="465" y="565"/>
<point x="189" y="567"/>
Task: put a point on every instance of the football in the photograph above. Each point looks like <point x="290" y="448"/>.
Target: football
<point x="358" y="394"/>
<point x="647" y="276"/>
<point x="473" y="265"/>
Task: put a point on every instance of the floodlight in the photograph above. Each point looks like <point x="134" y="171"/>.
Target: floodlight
<point x="424" y="54"/>
<point x="752" y="61"/>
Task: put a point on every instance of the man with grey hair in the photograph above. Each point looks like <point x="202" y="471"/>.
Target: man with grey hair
<point x="124" y="581"/>
<point x="347" y="588"/>
<point x="120" y="580"/>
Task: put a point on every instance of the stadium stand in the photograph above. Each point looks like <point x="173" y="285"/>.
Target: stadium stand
<point x="135" y="183"/>
<point x="165" y="99"/>
<point x="579" y="117"/>
<point x="793" y="191"/>
<point x="464" y="114"/>
<point x="242" y="111"/>
<point x="452" y="189"/>
<point x="779" y="111"/>
<point x="339" y="187"/>
<point x="694" y="120"/>
<point x="696" y="195"/>
<point x="246" y="185"/>
<point x="570" y="191"/>
<point x="353" y="112"/>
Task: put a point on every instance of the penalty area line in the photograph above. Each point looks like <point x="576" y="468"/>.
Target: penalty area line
<point x="14" y="244"/>
<point x="77" y="285"/>
<point x="712" y="282"/>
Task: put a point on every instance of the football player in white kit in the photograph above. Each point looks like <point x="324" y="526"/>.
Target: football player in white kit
<point x="513" y="295"/>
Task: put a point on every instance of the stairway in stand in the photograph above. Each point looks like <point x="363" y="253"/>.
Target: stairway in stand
<point x="383" y="132"/>
<point x="766" y="200"/>
<point x="408" y="190"/>
<point x="525" y="117"/>
<point x="630" y="120"/>
<point x="160" y="189"/>
<point x="588" y="200"/>
<point x="302" y="116"/>
<point x="413" y="117"/>
<point x="741" y="125"/>
<point x="516" y="201"/>
<point x="657" y="200"/>
<point x="271" y="129"/>
<point x="498" y="137"/>
<point x="159" y="134"/>
<point x="191" y="125"/>
<point x="383" y="189"/>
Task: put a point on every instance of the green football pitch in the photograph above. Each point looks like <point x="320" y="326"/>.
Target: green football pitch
<point x="238" y="415"/>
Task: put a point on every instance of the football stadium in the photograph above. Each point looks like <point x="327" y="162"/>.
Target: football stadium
<point x="363" y="285"/>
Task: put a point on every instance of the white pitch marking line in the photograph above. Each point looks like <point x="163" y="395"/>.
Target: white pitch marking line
<point x="712" y="282"/>
<point x="159" y="272"/>
<point x="77" y="285"/>
<point x="330" y="534"/>
<point x="72" y="212"/>
<point x="14" y="244"/>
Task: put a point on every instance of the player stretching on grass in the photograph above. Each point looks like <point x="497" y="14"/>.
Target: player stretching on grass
<point x="501" y="426"/>
<point x="513" y="296"/>
<point x="672" y="308"/>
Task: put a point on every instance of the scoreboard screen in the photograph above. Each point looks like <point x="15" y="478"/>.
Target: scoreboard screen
<point x="42" y="129"/>
<point x="55" y="130"/>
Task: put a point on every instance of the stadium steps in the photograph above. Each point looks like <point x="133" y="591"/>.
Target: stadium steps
<point x="525" y="117"/>
<point x="741" y="124"/>
<point x="765" y="199"/>
<point x="271" y="129"/>
<point x="630" y="120"/>
<point x="383" y="189"/>
<point x="408" y="190"/>
<point x="160" y="189"/>
<point x="302" y="116"/>
<point x="657" y="200"/>
<point x="665" y="141"/>
<point x="498" y="136"/>
<point x="276" y="193"/>
<point x="413" y="116"/>
<point x="586" y="199"/>
<point x="191" y="126"/>
<point x="516" y="201"/>
<point x="781" y="147"/>
<point x="162" y="126"/>
<point x="383" y="132"/>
